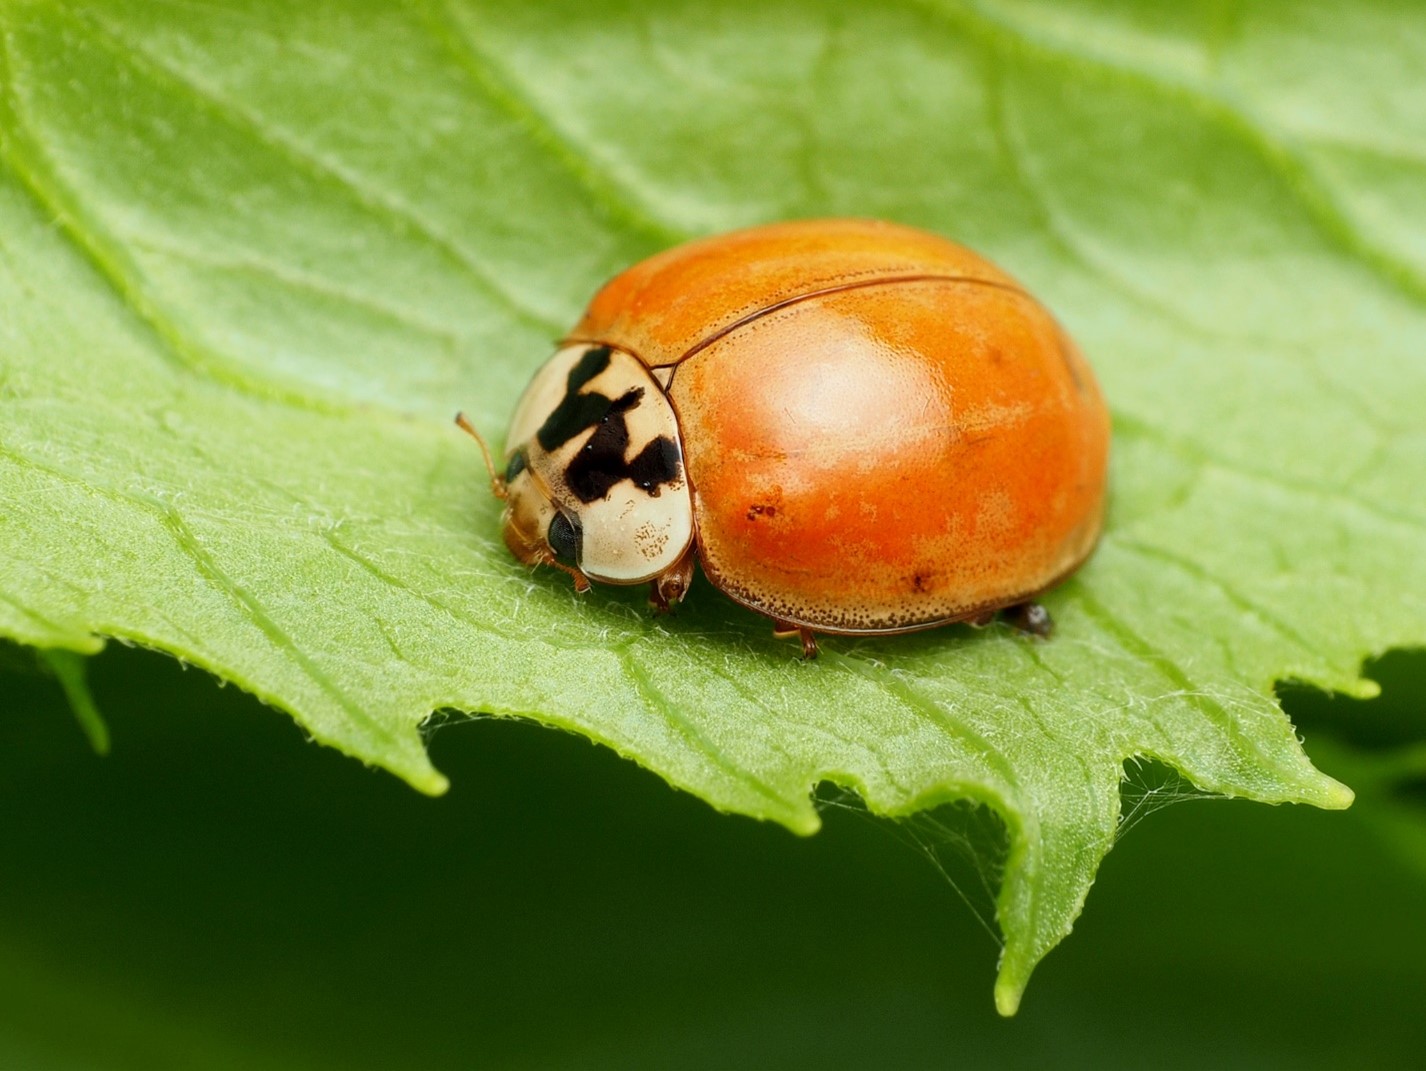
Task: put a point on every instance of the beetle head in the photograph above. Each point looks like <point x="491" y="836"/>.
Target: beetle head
<point x="594" y="481"/>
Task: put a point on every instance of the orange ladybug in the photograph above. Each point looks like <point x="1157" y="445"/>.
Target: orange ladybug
<point x="855" y="427"/>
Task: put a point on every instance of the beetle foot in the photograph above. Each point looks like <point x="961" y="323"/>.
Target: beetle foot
<point x="981" y="620"/>
<point x="784" y="629"/>
<point x="668" y="588"/>
<point x="809" y="644"/>
<point x="664" y="596"/>
<point x="581" y="582"/>
<point x="1030" y="618"/>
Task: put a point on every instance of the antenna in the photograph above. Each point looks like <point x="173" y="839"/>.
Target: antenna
<point x="497" y="482"/>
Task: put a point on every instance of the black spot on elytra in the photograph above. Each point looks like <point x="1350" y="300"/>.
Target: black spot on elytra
<point x="920" y="581"/>
<point x="755" y="511"/>
<point x="576" y="411"/>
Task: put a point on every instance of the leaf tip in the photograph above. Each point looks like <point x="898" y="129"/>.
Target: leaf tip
<point x="804" y="823"/>
<point x="431" y="782"/>
<point x="1336" y="796"/>
<point x="70" y="668"/>
<point x="1007" y="996"/>
<point x="1362" y="688"/>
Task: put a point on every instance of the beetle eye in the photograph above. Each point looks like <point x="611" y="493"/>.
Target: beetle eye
<point x="515" y="467"/>
<point x="563" y="537"/>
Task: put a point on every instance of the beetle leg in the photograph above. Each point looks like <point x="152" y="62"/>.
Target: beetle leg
<point x="668" y="588"/>
<point x="809" y="644"/>
<point x="981" y="620"/>
<point x="1030" y="618"/>
<point x="782" y="630"/>
<point x="581" y="582"/>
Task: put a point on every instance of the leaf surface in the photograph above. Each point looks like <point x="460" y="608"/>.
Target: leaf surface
<point x="252" y="258"/>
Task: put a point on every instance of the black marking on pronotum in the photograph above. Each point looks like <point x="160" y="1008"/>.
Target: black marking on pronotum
<point x="655" y="465"/>
<point x="563" y="536"/>
<point x="576" y="411"/>
<point x="600" y="463"/>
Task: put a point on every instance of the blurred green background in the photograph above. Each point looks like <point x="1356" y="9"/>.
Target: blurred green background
<point x="218" y="893"/>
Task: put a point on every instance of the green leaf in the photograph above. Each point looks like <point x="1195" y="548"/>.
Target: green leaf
<point x="253" y="257"/>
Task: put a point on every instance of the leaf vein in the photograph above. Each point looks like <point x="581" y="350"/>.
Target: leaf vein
<point x="1017" y="163"/>
<point x="498" y="85"/>
<point x="24" y="156"/>
<point x="391" y="580"/>
<point x="381" y="204"/>
<point x="297" y="279"/>
<point x="928" y="709"/>
<point x="756" y="700"/>
<point x="1184" y="687"/>
<point x="252" y="607"/>
<point x="658" y="704"/>
<point x="1195" y="452"/>
<point x="1276" y="148"/>
<point x="1206" y="576"/>
<point x="191" y="547"/>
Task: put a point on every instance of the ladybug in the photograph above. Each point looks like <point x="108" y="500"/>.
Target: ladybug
<point x="856" y="428"/>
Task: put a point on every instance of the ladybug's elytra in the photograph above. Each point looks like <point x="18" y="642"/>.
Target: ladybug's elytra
<point x="855" y="427"/>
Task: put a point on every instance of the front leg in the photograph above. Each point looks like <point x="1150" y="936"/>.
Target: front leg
<point x="1030" y="618"/>
<point x="783" y="629"/>
<point x="668" y="588"/>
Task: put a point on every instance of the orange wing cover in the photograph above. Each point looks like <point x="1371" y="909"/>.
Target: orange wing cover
<point x="882" y="430"/>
